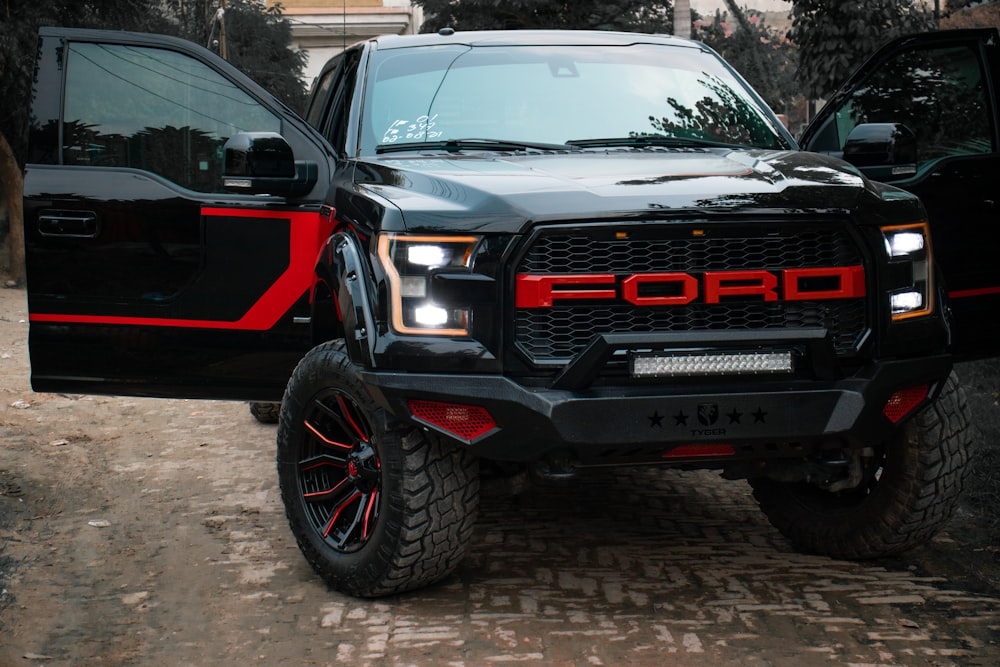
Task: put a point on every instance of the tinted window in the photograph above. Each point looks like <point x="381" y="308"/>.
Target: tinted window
<point x="337" y="124"/>
<point x="553" y="94"/>
<point x="320" y="96"/>
<point x="938" y="93"/>
<point x="155" y="110"/>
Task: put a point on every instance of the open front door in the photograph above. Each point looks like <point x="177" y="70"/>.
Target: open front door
<point x="147" y="276"/>
<point x="921" y="114"/>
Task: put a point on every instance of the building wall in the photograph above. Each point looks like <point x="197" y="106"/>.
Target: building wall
<point x="322" y="28"/>
<point x="708" y="7"/>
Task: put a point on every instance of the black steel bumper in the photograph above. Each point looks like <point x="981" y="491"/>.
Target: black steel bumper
<point x="760" y="417"/>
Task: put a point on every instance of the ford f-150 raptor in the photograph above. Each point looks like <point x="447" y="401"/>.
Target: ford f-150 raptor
<point x="563" y="249"/>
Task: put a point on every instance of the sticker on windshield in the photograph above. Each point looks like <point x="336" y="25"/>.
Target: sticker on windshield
<point x="422" y="129"/>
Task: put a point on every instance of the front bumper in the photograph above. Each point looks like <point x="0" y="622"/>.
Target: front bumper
<point x="603" y="425"/>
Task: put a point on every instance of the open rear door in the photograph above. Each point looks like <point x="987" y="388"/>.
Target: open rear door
<point x="146" y="275"/>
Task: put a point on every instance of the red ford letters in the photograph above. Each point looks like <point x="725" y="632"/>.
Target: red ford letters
<point x="678" y="289"/>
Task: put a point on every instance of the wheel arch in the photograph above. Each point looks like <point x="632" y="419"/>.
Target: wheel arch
<point x="341" y="306"/>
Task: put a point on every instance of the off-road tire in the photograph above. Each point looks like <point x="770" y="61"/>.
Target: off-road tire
<point x="265" y="413"/>
<point x="921" y="475"/>
<point x="416" y="496"/>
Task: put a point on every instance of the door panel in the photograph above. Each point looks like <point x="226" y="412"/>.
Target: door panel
<point x="939" y="85"/>
<point x="144" y="275"/>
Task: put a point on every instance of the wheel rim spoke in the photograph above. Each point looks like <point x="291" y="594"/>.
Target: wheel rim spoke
<point x="344" y="504"/>
<point x="369" y="515"/>
<point x="314" y="462"/>
<point x="339" y="471"/>
<point x="328" y="495"/>
<point x="348" y="430"/>
<point x="347" y="414"/>
<point x="325" y="440"/>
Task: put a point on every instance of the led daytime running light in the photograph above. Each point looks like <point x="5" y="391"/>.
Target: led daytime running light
<point x="911" y="245"/>
<point x="408" y="261"/>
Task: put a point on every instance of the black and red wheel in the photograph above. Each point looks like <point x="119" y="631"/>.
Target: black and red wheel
<point x="338" y="471"/>
<point x="906" y="492"/>
<point x="376" y="507"/>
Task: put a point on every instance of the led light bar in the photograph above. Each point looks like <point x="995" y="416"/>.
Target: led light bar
<point x="724" y="363"/>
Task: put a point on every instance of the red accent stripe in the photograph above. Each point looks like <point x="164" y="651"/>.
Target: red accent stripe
<point x="325" y="439"/>
<point x="979" y="291"/>
<point x="697" y="451"/>
<point x="350" y="419"/>
<point x="308" y="234"/>
<point x="336" y="515"/>
<point x="368" y="514"/>
<point x="321" y="464"/>
<point x="320" y="494"/>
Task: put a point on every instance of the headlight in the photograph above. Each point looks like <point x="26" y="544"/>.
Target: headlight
<point x="409" y="263"/>
<point x="910" y="246"/>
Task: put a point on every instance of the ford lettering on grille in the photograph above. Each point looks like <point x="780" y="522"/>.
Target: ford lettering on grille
<point x="679" y="288"/>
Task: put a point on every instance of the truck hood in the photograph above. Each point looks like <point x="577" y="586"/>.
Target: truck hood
<point x="488" y="192"/>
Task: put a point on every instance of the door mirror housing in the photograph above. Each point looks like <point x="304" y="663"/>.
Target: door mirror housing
<point x="884" y="151"/>
<point x="263" y="163"/>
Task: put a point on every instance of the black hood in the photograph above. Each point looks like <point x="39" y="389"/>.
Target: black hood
<point x="489" y="192"/>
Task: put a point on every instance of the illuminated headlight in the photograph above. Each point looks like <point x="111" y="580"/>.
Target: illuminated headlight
<point x="907" y="302"/>
<point x="430" y="316"/>
<point x="427" y="255"/>
<point x="409" y="262"/>
<point x="910" y="245"/>
<point x="902" y="243"/>
<point x="687" y="365"/>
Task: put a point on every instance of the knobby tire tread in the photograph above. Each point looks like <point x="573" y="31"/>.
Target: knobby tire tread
<point x="907" y="509"/>
<point x="429" y="520"/>
<point x="265" y="413"/>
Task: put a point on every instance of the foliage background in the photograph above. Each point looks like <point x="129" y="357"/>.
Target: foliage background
<point x="833" y="38"/>
<point x="625" y="15"/>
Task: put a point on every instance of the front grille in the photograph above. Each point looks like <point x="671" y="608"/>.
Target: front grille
<point x="559" y="332"/>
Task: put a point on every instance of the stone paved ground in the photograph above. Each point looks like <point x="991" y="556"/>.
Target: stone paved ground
<point x="150" y="533"/>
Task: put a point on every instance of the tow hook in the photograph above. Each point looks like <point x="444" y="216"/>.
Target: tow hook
<point x="855" y="471"/>
<point x="553" y="469"/>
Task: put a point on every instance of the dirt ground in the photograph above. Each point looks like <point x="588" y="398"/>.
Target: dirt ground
<point x="149" y="532"/>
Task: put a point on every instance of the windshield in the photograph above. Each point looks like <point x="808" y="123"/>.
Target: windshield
<point x="557" y="94"/>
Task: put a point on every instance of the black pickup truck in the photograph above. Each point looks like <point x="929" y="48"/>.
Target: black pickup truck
<point x="484" y="251"/>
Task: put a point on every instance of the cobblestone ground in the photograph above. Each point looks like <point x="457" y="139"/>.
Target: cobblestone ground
<point x="642" y="567"/>
<point x="150" y="533"/>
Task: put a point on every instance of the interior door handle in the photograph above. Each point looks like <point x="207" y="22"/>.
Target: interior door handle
<point x="76" y="224"/>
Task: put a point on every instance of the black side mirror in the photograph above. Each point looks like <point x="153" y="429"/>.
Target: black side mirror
<point x="263" y="163"/>
<point x="884" y="151"/>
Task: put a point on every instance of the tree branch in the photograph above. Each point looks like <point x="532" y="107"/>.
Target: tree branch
<point x="12" y="182"/>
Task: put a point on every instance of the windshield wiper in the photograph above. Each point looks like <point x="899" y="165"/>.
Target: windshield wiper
<point x="643" y="141"/>
<point x="455" y="145"/>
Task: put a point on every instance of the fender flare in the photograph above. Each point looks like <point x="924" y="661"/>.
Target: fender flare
<point x="343" y="270"/>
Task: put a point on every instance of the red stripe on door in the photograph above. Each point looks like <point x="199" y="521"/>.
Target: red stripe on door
<point x="308" y="234"/>
<point x="980" y="291"/>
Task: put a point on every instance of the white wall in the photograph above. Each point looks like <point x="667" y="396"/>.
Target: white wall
<point x="705" y="7"/>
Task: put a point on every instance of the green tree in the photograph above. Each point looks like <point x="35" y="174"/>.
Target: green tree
<point x="834" y="37"/>
<point x="720" y="116"/>
<point x="761" y="53"/>
<point x="258" y="41"/>
<point x="624" y="15"/>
